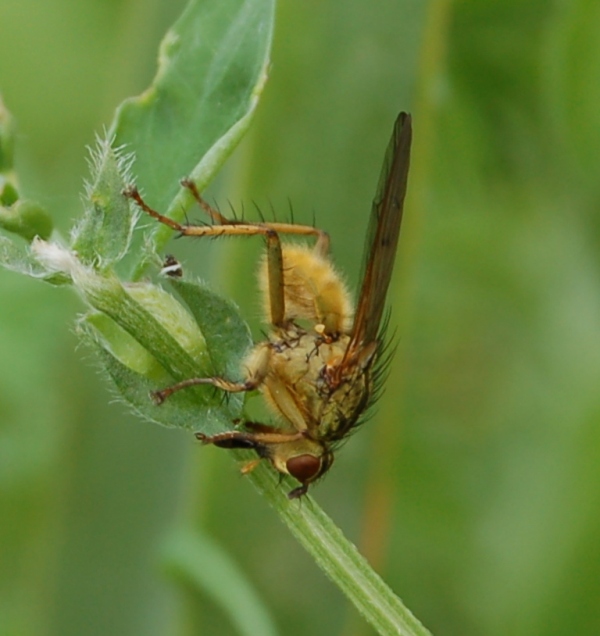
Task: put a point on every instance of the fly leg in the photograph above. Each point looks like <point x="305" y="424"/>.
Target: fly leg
<point x="253" y="439"/>
<point x="260" y="438"/>
<point x="220" y="383"/>
<point x="322" y="238"/>
<point x="225" y="227"/>
<point x="257" y="367"/>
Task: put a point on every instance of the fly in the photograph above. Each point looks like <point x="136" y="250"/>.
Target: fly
<point x="318" y="369"/>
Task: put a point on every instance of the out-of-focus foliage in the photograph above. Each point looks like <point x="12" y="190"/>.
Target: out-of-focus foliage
<point x="474" y="487"/>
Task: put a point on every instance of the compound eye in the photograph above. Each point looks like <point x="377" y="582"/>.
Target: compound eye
<point x="304" y="468"/>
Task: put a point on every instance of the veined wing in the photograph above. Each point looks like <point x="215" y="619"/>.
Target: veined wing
<point x="382" y="238"/>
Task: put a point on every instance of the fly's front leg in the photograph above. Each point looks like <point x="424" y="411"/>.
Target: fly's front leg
<point x="251" y="440"/>
<point x="260" y="440"/>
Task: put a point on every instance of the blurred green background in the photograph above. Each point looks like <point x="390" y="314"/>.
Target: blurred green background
<point x="474" y="489"/>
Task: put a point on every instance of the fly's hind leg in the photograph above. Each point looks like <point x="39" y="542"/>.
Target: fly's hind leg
<point x="322" y="238"/>
<point x="225" y="227"/>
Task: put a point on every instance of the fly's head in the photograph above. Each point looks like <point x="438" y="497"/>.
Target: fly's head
<point x="306" y="461"/>
<point x="303" y="458"/>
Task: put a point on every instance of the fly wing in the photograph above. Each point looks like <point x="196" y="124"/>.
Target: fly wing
<point x="382" y="238"/>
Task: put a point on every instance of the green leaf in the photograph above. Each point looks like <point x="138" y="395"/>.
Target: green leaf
<point x="150" y="316"/>
<point x="124" y="347"/>
<point x="192" y="409"/>
<point x="103" y="235"/>
<point x="153" y="317"/>
<point x="212" y="68"/>
<point x="140" y="358"/>
<point x="227" y="334"/>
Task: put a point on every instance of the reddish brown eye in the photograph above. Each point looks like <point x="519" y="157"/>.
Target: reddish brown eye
<point x="304" y="467"/>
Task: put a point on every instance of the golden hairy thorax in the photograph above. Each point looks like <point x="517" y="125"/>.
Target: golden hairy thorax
<point x="300" y="382"/>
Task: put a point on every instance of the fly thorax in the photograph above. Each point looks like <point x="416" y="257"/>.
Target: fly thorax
<point x="303" y="364"/>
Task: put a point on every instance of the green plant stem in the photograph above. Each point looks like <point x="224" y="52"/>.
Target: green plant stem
<point x="338" y="558"/>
